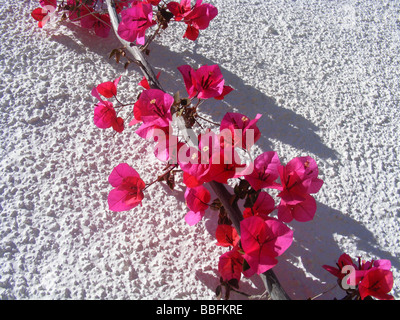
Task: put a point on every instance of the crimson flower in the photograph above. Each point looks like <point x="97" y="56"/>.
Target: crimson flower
<point x="299" y="178"/>
<point x="42" y="15"/>
<point x="197" y="199"/>
<point x="205" y="82"/>
<point x="264" y="205"/>
<point x="376" y="283"/>
<point x="226" y="235"/>
<point x="230" y="265"/>
<point x="153" y="109"/>
<point x="264" y="171"/>
<point x="371" y="278"/>
<point x="135" y="21"/>
<point x="128" y="188"/>
<point x="196" y="18"/>
<point x="108" y="89"/>
<point x="262" y="241"/>
<point x="239" y="130"/>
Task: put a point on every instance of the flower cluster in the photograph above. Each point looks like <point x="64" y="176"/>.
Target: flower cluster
<point x="364" y="279"/>
<point x="90" y="14"/>
<point x="137" y="16"/>
<point x="214" y="156"/>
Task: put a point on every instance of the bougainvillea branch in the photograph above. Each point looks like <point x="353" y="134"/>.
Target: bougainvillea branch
<point x="271" y="282"/>
<point x="137" y="55"/>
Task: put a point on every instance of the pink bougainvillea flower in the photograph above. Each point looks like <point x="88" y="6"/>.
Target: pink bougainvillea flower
<point x="302" y="211"/>
<point x="238" y="130"/>
<point x="100" y="23"/>
<point x="376" y="283"/>
<point x="108" y="89"/>
<point x="198" y="19"/>
<point x="264" y="171"/>
<point x="264" y="205"/>
<point x="106" y="117"/>
<point x="209" y="162"/>
<point x="205" y="82"/>
<point x="128" y="188"/>
<point x="226" y="235"/>
<point x="230" y="265"/>
<point x="262" y="241"/>
<point x="372" y="278"/>
<point x="179" y="9"/>
<point x="135" y="21"/>
<point x="145" y="84"/>
<point x="153" y="108"/>
<point x="42" y="15"/>
<point x="197" y="198"/>
<point x="299" y="178"/>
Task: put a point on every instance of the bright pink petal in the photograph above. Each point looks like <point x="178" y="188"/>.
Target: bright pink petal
<point x="302" y="211"/>
<point x="104" y="115"/>
<point x="121" y="171"/>
<point x="265" y="171"/>
<point x="38" y="14"/>
<point x="253" y="233"/>
<point x="193" y="218"/>
<point x="377" y="283"/>
<point x="116" y="200"/>
<point x="197" y="198"/>
<point x="107" y="89"/>
<point x="230" y="265"/>
<point x="226" y="235"/>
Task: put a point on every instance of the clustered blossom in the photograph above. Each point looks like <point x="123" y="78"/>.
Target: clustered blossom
<point x="105" y="115"/>
<point x="368" y="278"/>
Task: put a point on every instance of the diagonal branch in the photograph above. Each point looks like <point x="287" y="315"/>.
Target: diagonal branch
<point x="271" y="282"/>
<point x="132" y="49"/>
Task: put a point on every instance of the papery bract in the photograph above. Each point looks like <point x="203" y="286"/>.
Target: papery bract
<point x="193" y="217"/>
<point x="135" y="21"/>
<point x="106" y="117"/>
<point x="264" y="205"/>
<point x="128" y="188"/>
<point x="238" y="128"/>
<point x="262" y="240"/>
<point x="226" y="235"/>
<point x="230" y="265"/>
<point x="302" y="211"/>
<point x="179" y="9"/>
<point x="108" y="89"/>
<point x="153" y="108"/>
<point x="205" y="82"/>
<point x="264" y="171"/>
<point x="198" y="19"/>
<point x="42" y="15"/>
<point x="197" y="198"/>
<point x="376" y="283"/>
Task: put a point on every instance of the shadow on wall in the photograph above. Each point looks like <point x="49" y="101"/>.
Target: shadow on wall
<point x="277" y="123"/>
